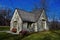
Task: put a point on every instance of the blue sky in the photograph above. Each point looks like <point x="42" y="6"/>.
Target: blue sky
<point x="53" y="6"/>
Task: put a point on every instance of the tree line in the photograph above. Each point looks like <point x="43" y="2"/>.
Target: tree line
<point x="5" y="17"/>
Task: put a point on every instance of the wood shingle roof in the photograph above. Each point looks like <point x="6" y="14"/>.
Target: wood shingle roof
<point x="30" y="16"/>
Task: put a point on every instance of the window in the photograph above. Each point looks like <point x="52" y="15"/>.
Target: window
<point x="43" y="23"/>
<point x="15" y="23"/>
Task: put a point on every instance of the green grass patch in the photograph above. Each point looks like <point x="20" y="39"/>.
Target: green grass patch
<point x="4" y="28"/>
<point x="48" y="35"/>
<point x="7" y="36"/>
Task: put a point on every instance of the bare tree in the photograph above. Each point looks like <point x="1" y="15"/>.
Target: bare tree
<point x="54" y="24"/>
<point x="5" y="16"/>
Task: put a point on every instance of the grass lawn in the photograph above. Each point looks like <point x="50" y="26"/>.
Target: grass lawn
<point x="7" y="36"/>
<point x="48" y="35"/>
<point x="4" y="28"/>
<point x="45" y="35"/>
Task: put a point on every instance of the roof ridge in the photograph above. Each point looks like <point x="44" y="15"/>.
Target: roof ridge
<point x="27" y="16"/>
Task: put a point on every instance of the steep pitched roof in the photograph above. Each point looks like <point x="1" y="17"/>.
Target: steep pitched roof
<point x="29" y="16"/>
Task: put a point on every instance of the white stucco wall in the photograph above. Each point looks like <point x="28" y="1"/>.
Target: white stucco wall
<point x="17" y="18"/>
<point x="25" y="25"/>
<point x="40" y="22"/>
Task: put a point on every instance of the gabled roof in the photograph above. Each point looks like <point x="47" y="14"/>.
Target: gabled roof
<point x="30" y="16"/>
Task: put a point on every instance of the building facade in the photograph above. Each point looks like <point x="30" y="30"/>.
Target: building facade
<point x="30" y="21"/>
